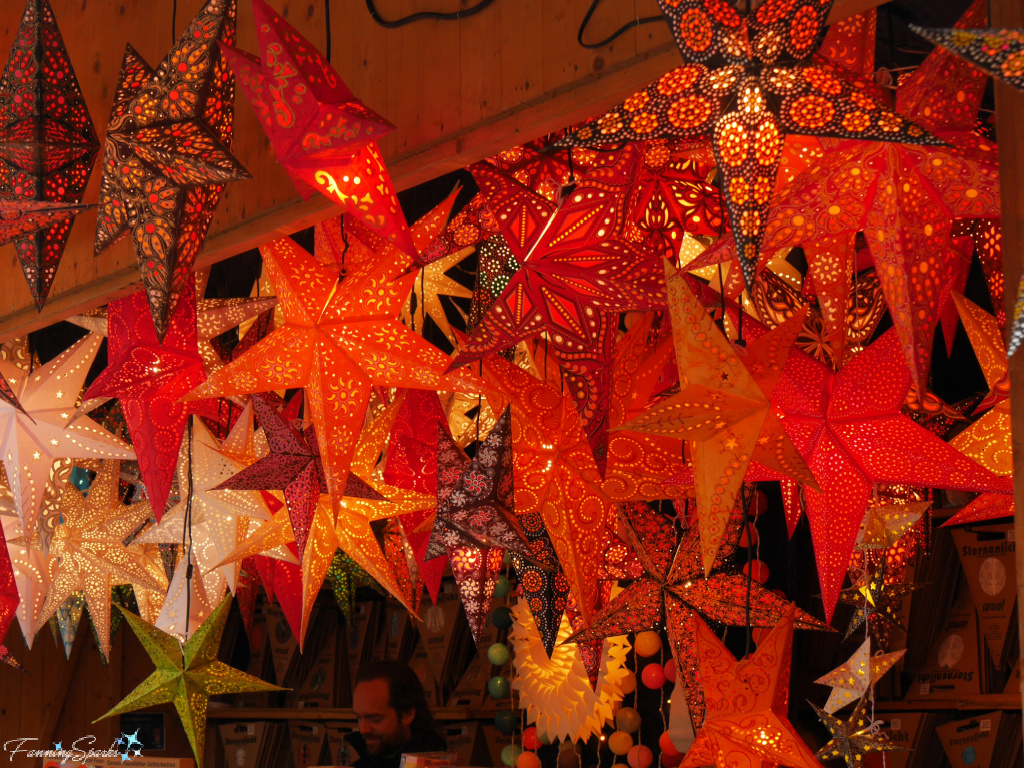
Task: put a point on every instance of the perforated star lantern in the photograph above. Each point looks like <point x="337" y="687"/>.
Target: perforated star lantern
<point x="321" y="133"/>
<point x="187" y="675"/>
<point x="49" y="427"/>
<point x="852" y="739"/>
<point x="877" y="603"/>
<point x="48" y="146"/>
<point x="999" y="52"/>
<point x="747" y="705"/>
<point x="167" y="156"/>
<point x="88" y="552"/>
<point x="9" y="600"/>
<point x="849" y="429"/>
<point x="434" y="292"/>
<point x="338" y="340"/>
<point x="149" y="376"/>
<point x="852" y="680"/>
<point x="886" y="524"/>
<point x="722" y="407"/>
<point x="747" y="83"/>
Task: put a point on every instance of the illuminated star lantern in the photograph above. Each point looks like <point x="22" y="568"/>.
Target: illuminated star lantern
<point x="852" y="739"/>
<point x="47" y="146"/>
<point x="999" y="52"/>
<point x="167" y="156"/>
<point x="877" y="603"/>
<point x="149" y="376"/>
<point x="854" y="678"/>
<point x="429" y="290"/>
<point x="722" y="407"/>
<point x="674" y="592"/>
<point x="748" y="83"/>
<point x="49" y="428"/>
<point x="321" y="133"/>
<point x="338" y="340"/>
<point x="849" y="429"/>
<point x="89" y="554"/>
<point x="886" y="524"/>
<point x="187" y="675"/>
<point x="747" y="703"/>
<point x="9" y="600"/>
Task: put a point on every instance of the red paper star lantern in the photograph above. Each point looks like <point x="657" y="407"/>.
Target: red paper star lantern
<point x="999" y="52"/>
<point x="9" y="600"/>
<point x="167" y="156"/>
<point x="321" y="133"/>
<point x="47" y="146"/>
<point x="739" y="86"/>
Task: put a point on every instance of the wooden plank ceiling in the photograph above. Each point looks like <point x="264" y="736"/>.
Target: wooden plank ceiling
<point x="458" y="92"/>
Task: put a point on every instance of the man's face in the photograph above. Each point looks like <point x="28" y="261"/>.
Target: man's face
<point x="383" y="728"/>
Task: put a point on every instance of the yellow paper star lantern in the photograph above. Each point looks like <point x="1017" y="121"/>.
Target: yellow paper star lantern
<point x="852" y="680"/>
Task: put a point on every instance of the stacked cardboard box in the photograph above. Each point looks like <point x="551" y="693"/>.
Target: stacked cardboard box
<point x="992" y="740"/>
<point x="255" y="744"/>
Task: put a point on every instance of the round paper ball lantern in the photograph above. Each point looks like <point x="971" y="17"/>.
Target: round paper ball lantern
<point x="672" y="761"/>
<point x="757" y="569"/>
<point x="498" y="687"/>
<point x="502" y="587"/>
<point x="627" y="720"/>
<point x="670" y="670"/>
<point x="531" y="740"/>
<point x="748" y="537"/>
<point x="647" y="644"/>
<point x="501" y="617"/>
<point x="628" y="684"/>
<point x="510" y="754"/>
<point x="620" y="765"/>
<point x="640" y="757"/>
<point x="568" y="757"/>
<point x="498" y="654"/>
<point x="653" y="676"/>
<point x="506" y="722"/>
<point x="757" y="505"/>
<point x="528" y="760"/>
<point x="620" y="743"/>
<point x="666" y="745"/>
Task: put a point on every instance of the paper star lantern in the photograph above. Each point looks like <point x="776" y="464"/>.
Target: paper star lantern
<point x="722" y="407"/>
<point x="886" y="524"/>
<point x="987" y="506"/>
<point x="852" y="680"/>
<point x="555" y="690"/>
<point x="149" y="376"/>
<point x="747" y="706"/>
<point x="321" y="133"/>
<point x="849" y="429"/>
<point x="89" y="553"/>
<point x="748" y="83"/>
<point x="673" y="591"/>
<point x="167" y="156"/>
<point x="999" y="52"/>
<point x="877" y="602"/>
<point x="49" y="427"/>
<point x="65" y="621"/>
<point x="187" y="675"/>
<point x="433" y="284"/>
<point x="203" y="467"/>
<point x="9" y="600"/>
<point x="344" y="576"/>
<point x="852" y="739"/>
<point x="338" y="340"/>
<point x="47" y="146"/>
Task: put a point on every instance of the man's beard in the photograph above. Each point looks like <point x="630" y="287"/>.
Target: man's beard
<point x="386" y="744"/>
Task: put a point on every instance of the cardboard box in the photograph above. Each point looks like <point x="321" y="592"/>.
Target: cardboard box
<point x="307" y="740"/>
<point x="339" y="750"/>
<point x="987" y="555"/>
<point x="243" y="744"/>
<point x="954" y="667"/>
<point x="983" y="741"/>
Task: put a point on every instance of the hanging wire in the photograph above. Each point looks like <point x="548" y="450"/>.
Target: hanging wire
<point x="614" y="35"/>
<point x="188" y="527"/>
<point x="750" y="570"/>
<point x="174" y="20"/>
<point x="424" y="15"/>
<point x="327" y="25"/>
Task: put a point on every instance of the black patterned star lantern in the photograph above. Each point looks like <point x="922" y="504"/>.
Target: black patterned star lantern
<point x="47" y="147"/>
<point x="167" y="155"/>
<point x="748" y="81"/>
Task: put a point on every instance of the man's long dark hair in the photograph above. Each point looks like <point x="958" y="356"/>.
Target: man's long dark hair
<point x="405" y="691"/>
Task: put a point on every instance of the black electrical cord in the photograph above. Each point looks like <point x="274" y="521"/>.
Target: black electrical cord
<point x="616" y="34"/>
<point x="174" y="20"/>
<point x="188" y="527"/>
<point x="327" y="27"/>
<point x="424" y="15"/>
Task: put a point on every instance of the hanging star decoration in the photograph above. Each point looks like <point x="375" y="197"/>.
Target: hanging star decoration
<point x="344" y="576"/>
<point x="747" y="82"/>
<point x="9" y="600"/>
<point x="999" y="52"/>
<point x="854" y="738"/>
<point x="555" y="690"/>
<point x="187" y="675"/>
<point x="88" y="552"/>
<point x="885" y="524"/>
<point x="435" y="292"/>
<point x="65" y="620"/>
<point x="848" y="427"/>
<point x="148" y="375"/>
<point x="673" y="591"/>
<point x="167" y="156"/>
<point x="877" y="603"/>
<point x="321" y="133"/>
<point x="722" y="407"/>
<point x="48" y="146"/>
<point x="853" y="679"/>
<point x="747" y="705"/>
<point x="339" y="339"/>
<point x="48" y="427"/>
